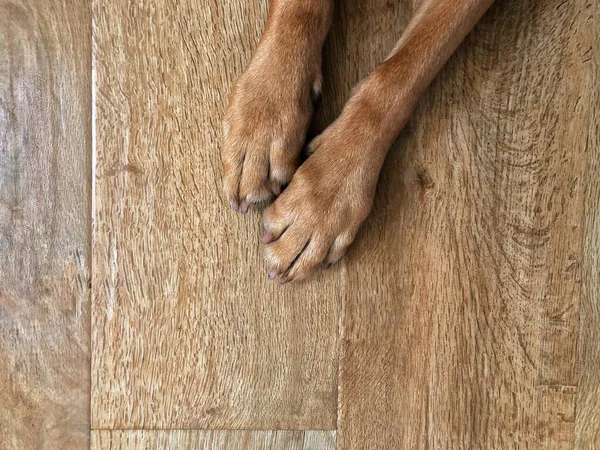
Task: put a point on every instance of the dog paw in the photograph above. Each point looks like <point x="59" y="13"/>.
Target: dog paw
<point x="314" y="221"/>
<point x="266" y="122"/>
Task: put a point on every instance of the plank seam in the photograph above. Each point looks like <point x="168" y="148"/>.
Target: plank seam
<point x="215" y="430"/>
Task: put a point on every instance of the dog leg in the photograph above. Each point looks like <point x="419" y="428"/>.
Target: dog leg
<point x="270" y="107"/>
<point x="317" y="217"/>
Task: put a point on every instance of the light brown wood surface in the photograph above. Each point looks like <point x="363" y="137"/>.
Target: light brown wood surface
<point x="468" y="308"/>
<point x="211" y="440"/>
<point x="461" y="299"/>
<point x="187" y="330"/>
<point x="587" y="421"/>
<point x="45" y="193"/>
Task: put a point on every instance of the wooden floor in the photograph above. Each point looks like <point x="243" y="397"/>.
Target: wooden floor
<point x="135" y="312"/>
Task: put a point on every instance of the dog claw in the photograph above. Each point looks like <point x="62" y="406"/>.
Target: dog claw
<point x="267" y="237"/>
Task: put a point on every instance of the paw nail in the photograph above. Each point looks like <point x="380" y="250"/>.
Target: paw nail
<point x="268" y="237"/>
<point x="277" y="189"/>
<point x="326" y="266"/>
<point x="244" y="207"/>
<point x="234" y="205"/>
<point x="272" y="275"/>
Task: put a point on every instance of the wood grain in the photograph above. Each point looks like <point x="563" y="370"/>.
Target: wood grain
<point x="45" y="197"/>
<point x="461" y="299"/>
<point x="587" y="422"/>
<point x="187" y="331"/>
<point x="212" y="440"/>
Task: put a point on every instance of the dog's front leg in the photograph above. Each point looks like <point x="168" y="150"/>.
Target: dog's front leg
<point x="270" y="107"/>
<point x="317" y="217"/>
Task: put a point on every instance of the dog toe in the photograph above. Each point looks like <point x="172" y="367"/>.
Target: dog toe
<point x="308" y="260"/>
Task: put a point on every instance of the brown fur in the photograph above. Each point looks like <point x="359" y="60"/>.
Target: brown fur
<point x="314" y="221"/>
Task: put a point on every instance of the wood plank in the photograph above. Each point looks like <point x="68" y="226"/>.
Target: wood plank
<point x="587" y="421"/>
<point x="45" y="198"/>
<point x="187" y="331"/>
<point x="212" y="440"/>
<point x="461" y="298"/>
